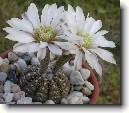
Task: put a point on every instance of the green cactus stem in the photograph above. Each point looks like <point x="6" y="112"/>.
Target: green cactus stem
<point x="44" y="63"/>
<point x="60" y="62"/>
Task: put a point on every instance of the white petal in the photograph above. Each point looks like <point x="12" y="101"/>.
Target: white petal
<point x="51" y="12"/>
<point x="41" y="53"/>
<point x="102" y="32"/>
<point x="89" y="22"/>
<point x="93" y="62"/>
<point x="71" y="21"/>
<point x="78" y="60"/>
<point x="43" y="44"/>
<point x="19" y="36"/>
<point x="32" y="14"/>
<point x="69" y="36"/>
<point x="70" y="9"/>
<point x="104" y="43"/>
<point x="44" y="15"/>
<point x="65" y="45"/>
<point x="104" y="54"/>
<point x="95" y="27"/>
<point x="79" y="14"/>
<point x="57" y="19"/>
<point x="30" y="47"/>
<point x="23" y="25"/>
<point x="17" y="44"/>
<point x="55" y="49"/>
<point x="80" y="19"/>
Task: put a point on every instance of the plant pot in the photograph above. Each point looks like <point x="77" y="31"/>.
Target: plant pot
<point x="92" y="79"/>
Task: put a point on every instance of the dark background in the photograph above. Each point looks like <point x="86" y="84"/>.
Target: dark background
<point x="106" y="10"/>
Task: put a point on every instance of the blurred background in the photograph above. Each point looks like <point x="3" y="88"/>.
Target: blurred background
<point x="106" y="10"/>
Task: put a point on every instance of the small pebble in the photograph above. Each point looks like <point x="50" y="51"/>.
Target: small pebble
<point x="49" y="102"/>
<point x="34" y="61"/>
<point x="85" y="100"/>
<point x="66" y="65"/>
<point x="26" y="58"/>
<point x="85" y="73"/>
<point x="4" y="68"/>
<point x="76" y="78"/>
<point x="86" y="91"/>
<point x="3" y="76"/>
<point x="1" y="61"/>
<point x="31" y="55"/>
<point x="71" y="63"/>
<point x="67" y="71"/>
<point x="2" y="101"/>
<point x="7" y="87"/>
<point x="89" y="85"/>
<point x="74" y="100"/>
<point x="6" y="61"/>
<point x="64" y="101"/>
<point x="12" y="75"/>
<point x="25" y="100"/>
<point x="8" y="97"/>
<point x="12" y="56"/>
<point x="73" y="94"/>
<point x="1" y="88"/>
<point x="15" y="88"/>
<point x="78" y="88"/>
<point x="19" y="95"/>
<point x="22" y="64"/>
<point x="17" y="69"/>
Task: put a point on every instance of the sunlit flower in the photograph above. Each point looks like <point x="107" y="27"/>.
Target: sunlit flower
<point x="91" y="39"/>
<point x="35" y="35"/>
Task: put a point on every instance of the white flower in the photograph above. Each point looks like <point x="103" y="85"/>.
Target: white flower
<point x="34" y="35"/>
<point x="91" y="39"/>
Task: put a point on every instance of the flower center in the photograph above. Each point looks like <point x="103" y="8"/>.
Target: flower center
<point x="45" y="34"/>
<point x="87" y="40"/>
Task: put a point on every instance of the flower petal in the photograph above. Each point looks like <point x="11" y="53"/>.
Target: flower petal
<point x="32" y="14"/>
<point x="80" y="19"/>
<point x="55" y="49"/>
<point x="71" y="21"/>
<point x="19" y="36"/>
<point x="57" y="19"/>
<point x="95" y="27"/>
<point x="65" y="45"/>
<point x="102" y="32"/>
<point x="31" y="47"/>
<point x="23" y="25"/>
<point x="89" y="22"/>
<point x="43" y="44"/>
<point x="78" y="60"/>
<point x="104" y="43"/>
<point x="79" y="14"/>
<point x="70" y="9"/>
<point x="41" y="53"/>
<point x="104" y="54"/>
<point x="51" y="12"/>
<point x="44" y="15"/>
<point x="93" y="62"/>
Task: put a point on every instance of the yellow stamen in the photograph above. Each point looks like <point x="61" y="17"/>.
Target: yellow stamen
<point x="87" y="40"/>
<point x="45" y="34"/>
